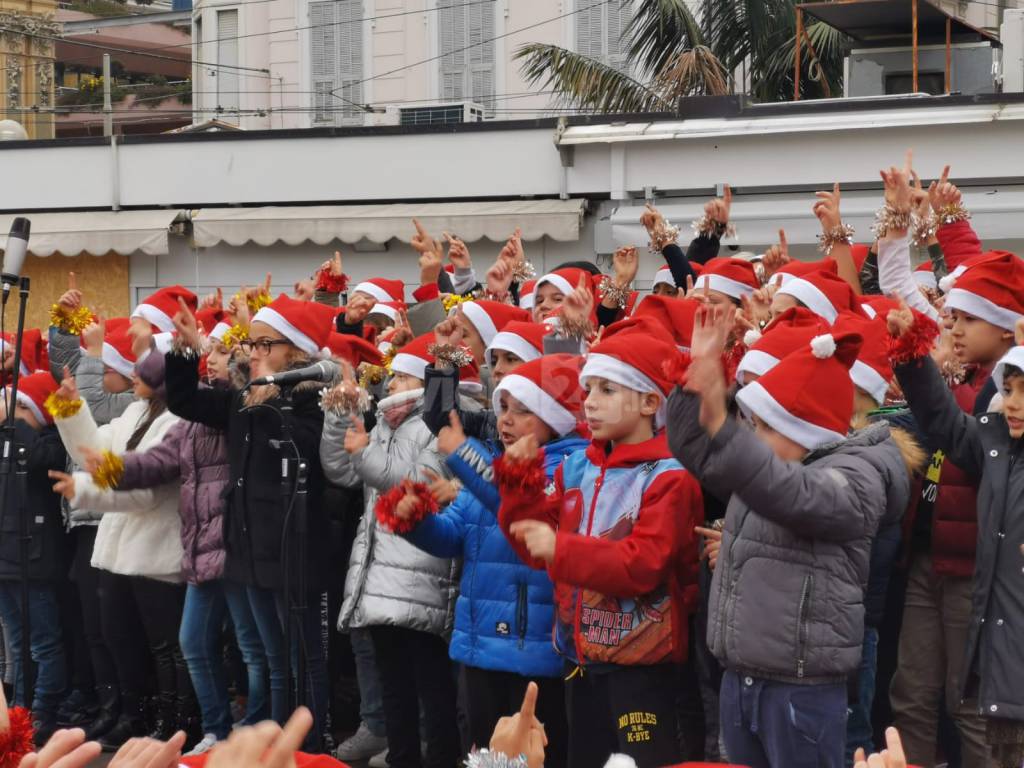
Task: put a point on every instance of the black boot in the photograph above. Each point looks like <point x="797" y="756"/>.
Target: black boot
<point x="44" y="725"/>
<point x="106" y="717"/>
<point x="130" y="723"/>
<point x="189" y="720"/>
<point x="78" y="710"/>
<point x="166" y="717"/>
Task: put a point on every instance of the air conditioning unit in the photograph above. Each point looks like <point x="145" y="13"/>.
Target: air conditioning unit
<point x="438" y="113"/>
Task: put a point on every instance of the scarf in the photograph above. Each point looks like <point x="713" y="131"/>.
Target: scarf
<point x="396" y="408"/>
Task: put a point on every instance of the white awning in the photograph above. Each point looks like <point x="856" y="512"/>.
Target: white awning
<point x="96" y="232"/>
<point x="557" y="219"/>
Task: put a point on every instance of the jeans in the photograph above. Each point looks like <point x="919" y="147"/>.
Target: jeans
<point x="371" y="703"/>
<point x="45" y="641"/>
<point x="310" y="639"/>
<point x="859" y="732"/>
<point x="264" y="613"/>
<point x="202" y="624"/>
<point x="765" y="724"/>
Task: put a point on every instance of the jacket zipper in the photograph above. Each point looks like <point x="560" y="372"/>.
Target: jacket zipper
<point x="579" y="592"/>
<point x="521" y="614"/>
<point x="802" y="628"/>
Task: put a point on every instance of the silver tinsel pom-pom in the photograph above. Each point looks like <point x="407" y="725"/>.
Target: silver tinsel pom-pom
<point x="484" y="758"/>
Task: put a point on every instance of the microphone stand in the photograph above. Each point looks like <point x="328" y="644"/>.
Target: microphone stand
<point x="12" y="452"/>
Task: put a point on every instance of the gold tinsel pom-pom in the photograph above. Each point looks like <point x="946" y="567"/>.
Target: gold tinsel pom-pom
<point x="70" y="321"/>
<point x="257" y="302"/>
<point x="371" y="375"/>
<point x="235" y="335"/>
<point x="453" y="300"/>
<point x="61" y="408"/>
<point x="110" y="471"/>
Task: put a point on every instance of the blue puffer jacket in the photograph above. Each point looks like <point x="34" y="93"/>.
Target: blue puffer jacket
<point x="505" y="610"/>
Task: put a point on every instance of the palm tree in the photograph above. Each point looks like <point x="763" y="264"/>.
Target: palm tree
<point x="673" y="55"/>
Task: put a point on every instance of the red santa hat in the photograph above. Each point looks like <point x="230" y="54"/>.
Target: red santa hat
<point x="808" y="396"/>
<point x="631" y="354"/>
<point x="414" y="357"/>
<point x="382" y="289"/>
<point x="566" y="280"/>
<point x="489" y="317"/>
<point x="549" y="387"/>
<point x="859" y="252"/>
<point x="117" y="347"/>
<point x="663" y="277"/>
<point x="353" y="349"/>
<point x="159" y="308"/>
<point x="733" y="277"/>
<point x="872" y="371"/>
<point x="924" y="276"/>
<point x="946" y="284"/>
<point x="34" y="356"/>
<point x="218" y="331"/>
<point x="33" y="391"/>
<point x="522" y="338"/>
<point x="992" y="291"/>
<point x="526" y="294"/>
<point x="790" y="331"/>
<point x="823" y="293"/>
<point x="800" y="268"/>
<point x="1014" y="358"/>
<point x="390" y="309"/>
<point x="306" y="324"/>
<point x="209" y="318"/>
<point x="674" y="314"/>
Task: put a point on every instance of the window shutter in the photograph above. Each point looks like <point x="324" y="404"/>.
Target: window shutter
<point x="227" y="56"/>
<point x="336" y="61"/>
<point x="466" y="39"/>
<point x="323" y="59"/>
<point x="589" y="37"/>
<point x="481" y="32"/>
<point x="619" y="13"/>
<point x="350" y="60"/>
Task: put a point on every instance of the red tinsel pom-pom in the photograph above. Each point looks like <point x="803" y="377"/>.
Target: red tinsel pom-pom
<point x="676" y="367"/>
<point x="528" y="477"/>
<point x="731" y="361"/>
<point x="328" y="282"/>
<point x="915" y="343"/>
<point x="387" y="504"/>
<point x="18" y="740"/>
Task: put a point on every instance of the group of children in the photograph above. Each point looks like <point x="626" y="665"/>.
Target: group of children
<point x="649" y="506"/>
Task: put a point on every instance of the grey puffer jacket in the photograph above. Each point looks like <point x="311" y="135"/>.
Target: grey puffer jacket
<point x="390" y="581"/>
<point x="787" y="597"/>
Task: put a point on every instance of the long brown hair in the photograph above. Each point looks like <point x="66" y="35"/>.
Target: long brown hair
<point x="157" y="406"/>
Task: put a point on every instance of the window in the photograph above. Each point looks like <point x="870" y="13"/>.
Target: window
<point x="599" y="28"/>
<point x="467" y="51"/>
<point x="336" y="56"/>
<point x="227" y="60"/>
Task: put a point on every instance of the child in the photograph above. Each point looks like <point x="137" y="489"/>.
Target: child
<point x="987" y="448"/>
<point x="786" y="604"/>
<point x="504" y="613"/>
<point x="614" y="529"/>
<point x="47" y="549"/>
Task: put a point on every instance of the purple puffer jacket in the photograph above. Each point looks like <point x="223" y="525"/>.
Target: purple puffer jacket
<point x="198" y="456"/>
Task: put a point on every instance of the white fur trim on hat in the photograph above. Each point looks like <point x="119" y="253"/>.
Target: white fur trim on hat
<point x="811" y="297"/>
<point x="154" y="316"/>
<point x="217" y="334"/>
<point x="756" y="362"/>
<point x="868" y="310"/>
<point x="755" y="399"/>
<point x="946" y="284"/>
<point x="526" y="300"/>
<point x="479" y="318"/>
<point x="380" y="308"/>
<point x="663" y="277"/>
<point x="556" y="280"/>
<point x="373" y="290"/>
<point x="779" y="279"/>
<point x="982" y="308"/>
<point x="29" y="403"/>
<point x="1014" y="357"/>
<point x="925" y="279"/>
<point x="162" y="342"/>
<point x="510" y="342"/>
<point x="537" y="401"/>
<point x="871" y="381"/>
<point x="410" y="365"/>
<point x="725" y="285"/>
<point x="114" y="359"/>
<point x="613" y="369"/>
<point x="280" y="323"/>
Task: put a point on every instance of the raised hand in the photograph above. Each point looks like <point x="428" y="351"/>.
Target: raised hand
<point x="525" y="448"/>
<point x="711" y="327"/>
<point x="65" y="485"/>
<point x="356" y="437"/>
<point x="777" y="256"/>
<point x="450" y="438"/>
<point x="186" y="326"/>
<point x="538" y="538"/>
<point x="943" y="194"/>
<point x="522" y="733"/>
<point x="92" y="337"/>
<point x="358" y="307"/>
<point x="898" y="194"/>
<point x="442" y="489"/>
<point x="458" y="253"/>
<point x="900" y="321"/>
<point x="625" y="262"/>
<point x="302" y="290"/>
<point x="892" y="756"/>
<point x="403" y="331"/>
<point x="266" y="745"/>
<point x="580" y="302"/>
<point x="335" y="266"/>
<point x="214" y="301"/>
<point x="499" y="276"/>
<point x="827" y="208"/>
<point x="65" y="749"/>
<point x="431" y="258"/>
<point x="450" y="330"/>
<point x="1018" y="332"/>
<point x="68" y="389"/>
<point x="91" y="458"/>
<point x="651" y="219"/>
<point x="719" y="208"/>
<point x="71" y="299"/>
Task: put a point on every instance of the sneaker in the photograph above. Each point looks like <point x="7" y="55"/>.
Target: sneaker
<point x="208" y="742"/>
<point x="380" y="760"/>
<point x="360" y="746"/>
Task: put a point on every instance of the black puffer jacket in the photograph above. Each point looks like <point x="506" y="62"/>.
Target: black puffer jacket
<point x="254" y="521"/>
<point x="48" y="548"/>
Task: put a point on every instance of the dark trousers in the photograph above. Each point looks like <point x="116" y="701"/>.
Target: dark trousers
<point x="630" y="710"/>
<point x="141" y="618"/>
<point x="777" y="725"/>
<point x="414" y="669"/>
<point x="491" y="695"/>
<point x="87" y="582"/>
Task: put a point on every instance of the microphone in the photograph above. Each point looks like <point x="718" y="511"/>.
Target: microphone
<point x="325" y="371"/>
<point x="14" y="253"/>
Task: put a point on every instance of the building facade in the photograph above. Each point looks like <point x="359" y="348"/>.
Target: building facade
<point x="27" y="32"/>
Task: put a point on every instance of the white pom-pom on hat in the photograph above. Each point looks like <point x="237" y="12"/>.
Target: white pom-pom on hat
<point x="751" y="337"/>
<point x="823" y="346"/>
<point x="620" y="761"/>
<point x="947" y="283"/>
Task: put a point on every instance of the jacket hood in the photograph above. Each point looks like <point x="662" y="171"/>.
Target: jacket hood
<point x="556" y="451"/>
<point x="602" y="454"/>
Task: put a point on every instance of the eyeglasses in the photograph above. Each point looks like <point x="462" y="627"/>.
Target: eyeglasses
<point x="262" y="345"/>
